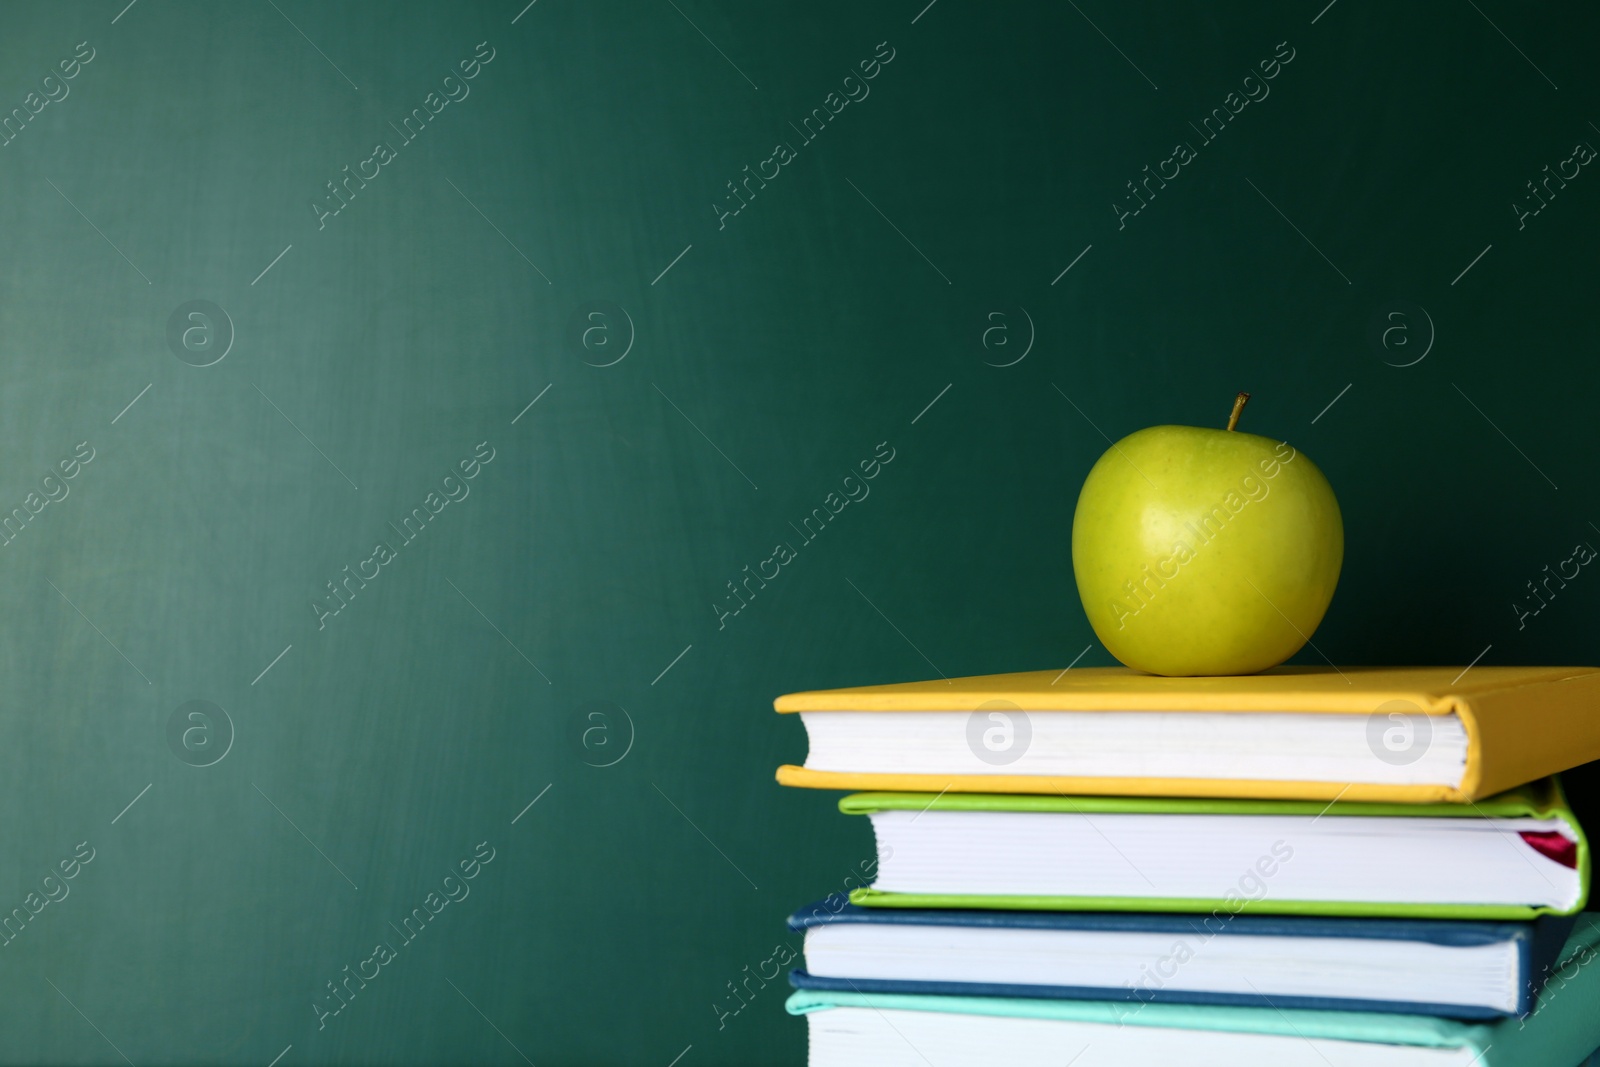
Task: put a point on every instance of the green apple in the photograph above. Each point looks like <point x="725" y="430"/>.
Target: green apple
<point x="1203" y="551"/>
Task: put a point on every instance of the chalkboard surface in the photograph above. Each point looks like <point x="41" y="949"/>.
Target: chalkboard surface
<point x="398" y="400"/>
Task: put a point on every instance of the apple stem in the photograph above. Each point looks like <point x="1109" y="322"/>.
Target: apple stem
<point x="1238" y="408"/>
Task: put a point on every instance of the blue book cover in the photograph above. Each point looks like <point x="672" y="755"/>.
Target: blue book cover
<point x="1536" y="946"/>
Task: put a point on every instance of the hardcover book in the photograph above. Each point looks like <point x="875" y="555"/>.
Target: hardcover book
<point x="851" y="1029"/>
<point x="1405" y="735"/>
<point x="1410" y="966"/>
<point x="1513" y="856"/>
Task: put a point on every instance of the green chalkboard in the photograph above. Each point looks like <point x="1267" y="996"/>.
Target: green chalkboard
<point x="398" y="399"/>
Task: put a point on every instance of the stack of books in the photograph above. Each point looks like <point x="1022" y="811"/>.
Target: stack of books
<point x="1360" y="868"/>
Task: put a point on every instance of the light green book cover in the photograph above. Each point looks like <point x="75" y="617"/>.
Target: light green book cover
<point x="1539" y="800"/>
<point x="1563" y="1029"/>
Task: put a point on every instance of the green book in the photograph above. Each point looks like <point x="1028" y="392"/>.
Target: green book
<point x="1516" y="855"/>
<point x="905" y="1030"/>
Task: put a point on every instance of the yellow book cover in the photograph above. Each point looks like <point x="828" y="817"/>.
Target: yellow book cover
<point x="1406" y="734"/>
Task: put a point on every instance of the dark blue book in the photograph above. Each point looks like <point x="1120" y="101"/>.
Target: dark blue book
<point x="1453" y="968"/>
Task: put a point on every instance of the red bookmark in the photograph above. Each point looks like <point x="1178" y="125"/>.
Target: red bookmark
<point x="1553" y="846"/>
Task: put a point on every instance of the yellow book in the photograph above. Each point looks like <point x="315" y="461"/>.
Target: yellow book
<point x="1390" y="734"/>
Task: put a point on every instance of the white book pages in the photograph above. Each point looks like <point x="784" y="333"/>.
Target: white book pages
<point x="1400" y="859"/>
<point x="870" y="1037"/>
<point x="1253" y="746"/>
<point x="1192" y="961"/>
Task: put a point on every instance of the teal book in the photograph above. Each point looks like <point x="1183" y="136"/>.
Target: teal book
<point x="850" y="1029"/>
